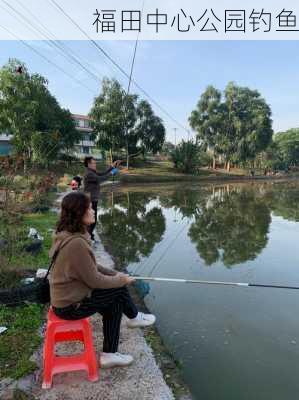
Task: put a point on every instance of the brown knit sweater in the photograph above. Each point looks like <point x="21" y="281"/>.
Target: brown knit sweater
<point x="75" y="271"/>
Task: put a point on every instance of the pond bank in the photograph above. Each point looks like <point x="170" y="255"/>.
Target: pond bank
<point x="210" y="178"/>
<point x="163" y="172"/>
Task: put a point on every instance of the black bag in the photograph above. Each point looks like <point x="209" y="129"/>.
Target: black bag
<point x="42" y="286"/>
<point x="35" y="292"/>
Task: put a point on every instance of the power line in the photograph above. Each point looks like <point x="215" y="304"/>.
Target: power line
<point x="45" y="58"/>
<point x="64" y="50"/>
<point x="62" y="46"/>
<point x="117" y="65"/>
<point x="134" y="55"/>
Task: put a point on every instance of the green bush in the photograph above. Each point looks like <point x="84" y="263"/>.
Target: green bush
<point x="186" y="157"/>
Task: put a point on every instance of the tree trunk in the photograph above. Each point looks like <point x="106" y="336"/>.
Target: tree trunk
<point x="228" y="166"/>
<point x="127" y="149"/>
<point x="214" y="163"/>
<point x="25" y="162"/>
<point x="111" y="156"/>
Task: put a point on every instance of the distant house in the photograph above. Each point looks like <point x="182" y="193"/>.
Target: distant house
<point x="5" y="145"/>
<point x="86" y="146"/>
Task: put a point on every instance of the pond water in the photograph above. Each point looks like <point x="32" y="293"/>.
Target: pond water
<point x="232" y="343"/>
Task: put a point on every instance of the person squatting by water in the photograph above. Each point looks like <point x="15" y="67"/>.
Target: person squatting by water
<point x="79" y="287"/>
<point x="91" y="181"/>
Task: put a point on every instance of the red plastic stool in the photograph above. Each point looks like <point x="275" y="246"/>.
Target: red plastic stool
<point x="60" y="330"/>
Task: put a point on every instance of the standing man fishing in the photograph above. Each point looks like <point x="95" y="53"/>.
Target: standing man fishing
<point x="92" y="180"/>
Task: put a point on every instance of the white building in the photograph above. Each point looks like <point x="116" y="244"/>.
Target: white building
<point x="87" y="146"/>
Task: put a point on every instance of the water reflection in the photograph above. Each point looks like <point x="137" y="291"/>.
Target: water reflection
<point x="228" y="223"/>
<point x="285" y="201"/>
<point x="130" y="227"/>
<point x="212" y="327"/>
<point x="231" y="227"/>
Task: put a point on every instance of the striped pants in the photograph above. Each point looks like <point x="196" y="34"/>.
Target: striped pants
<point x="111" y="304"/>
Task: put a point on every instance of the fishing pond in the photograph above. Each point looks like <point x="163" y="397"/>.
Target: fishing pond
<point x="232" y="343"/>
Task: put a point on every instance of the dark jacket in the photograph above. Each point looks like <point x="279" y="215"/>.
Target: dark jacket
<point x="92" y="180"/>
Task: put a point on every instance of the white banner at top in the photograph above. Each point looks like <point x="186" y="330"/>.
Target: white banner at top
<point x="152" y="20"/>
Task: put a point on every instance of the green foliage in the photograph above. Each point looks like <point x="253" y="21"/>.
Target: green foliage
<point x="237" y="126"/>
<point x="41" y="129"/>
<point x="149" y="130"/>
<point x="282" y="153"/>
<point x="112" y="115"/>
<point x="208" y="119"/>
<point x="120" y="122"/>
<point x="186" y="157"/>
<point x="15" y="231"/>
<point x="287" y="144"/>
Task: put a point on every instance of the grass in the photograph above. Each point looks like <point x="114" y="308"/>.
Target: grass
<point x="161" y="171"/>
<point x="44" y="223"/>
<point x="21" y="339"/>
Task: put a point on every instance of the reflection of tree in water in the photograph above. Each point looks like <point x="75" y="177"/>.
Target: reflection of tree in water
<point x="229" y="223"/>
<point x="284" y="201"/>
<point x="187" y="201"/>
<point x="232" y="227"/>
<point x="129" y="228"/>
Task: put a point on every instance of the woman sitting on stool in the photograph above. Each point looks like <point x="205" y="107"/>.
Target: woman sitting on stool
<point x="80" y="287"/>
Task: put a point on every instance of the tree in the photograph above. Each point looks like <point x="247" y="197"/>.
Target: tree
<point x="113" y="116"/>
<point x="39" y="126"/>
<point x="149" y="129"/>
<point x="288" y="146"/>
<point x="237" y="128"/>
<point x="186" y="156"/>
<point x="207" y="120"/>
<point x="248" y="124"/>
<point x="18" y="106"/>
<point x="120" y="122"/>
<point x="60" y="137"/>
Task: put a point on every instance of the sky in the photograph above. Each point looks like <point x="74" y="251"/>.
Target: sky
<point x="174" y="73"/>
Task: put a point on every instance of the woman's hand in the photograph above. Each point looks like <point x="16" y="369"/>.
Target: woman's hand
<point x="127" y="279"/>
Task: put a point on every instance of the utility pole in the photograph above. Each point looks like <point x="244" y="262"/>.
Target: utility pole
<point x="175" y="129"/>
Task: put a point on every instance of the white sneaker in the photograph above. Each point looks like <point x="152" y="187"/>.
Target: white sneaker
<point x="108" y="360"/>
<point x="141" y="320"/>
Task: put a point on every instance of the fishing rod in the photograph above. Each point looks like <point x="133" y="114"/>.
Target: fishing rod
<point x="239" y="284"/>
